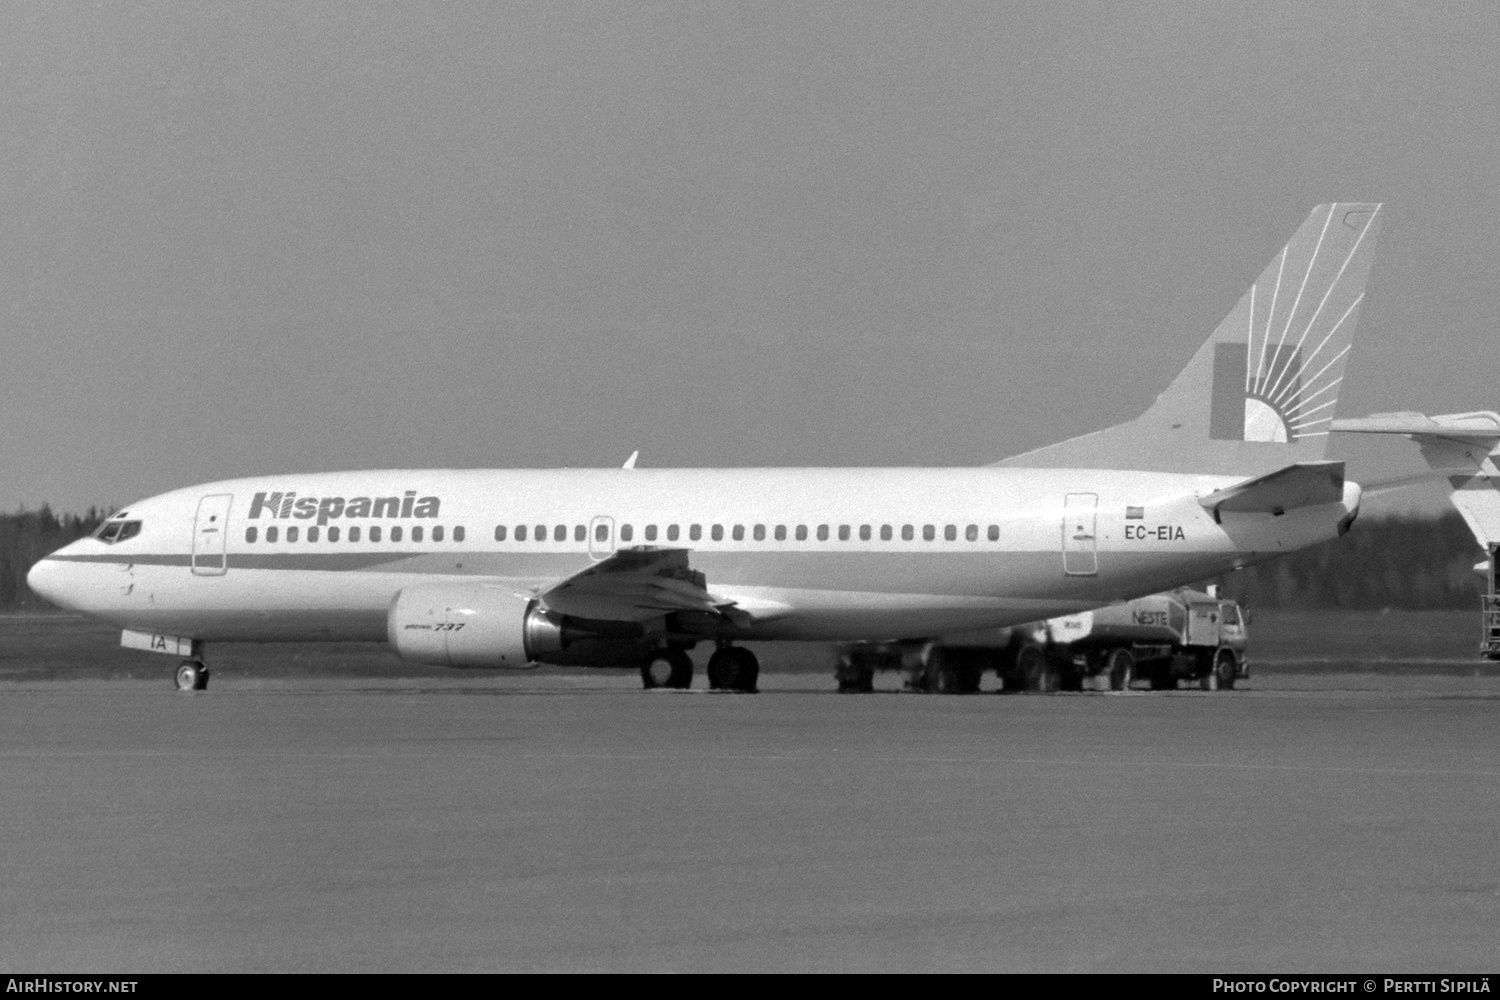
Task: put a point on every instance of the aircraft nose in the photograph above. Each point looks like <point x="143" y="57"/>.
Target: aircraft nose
<point x="49" y="579"/>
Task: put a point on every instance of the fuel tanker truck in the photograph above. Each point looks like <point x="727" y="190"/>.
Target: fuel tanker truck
<point x="1161" y="639"/>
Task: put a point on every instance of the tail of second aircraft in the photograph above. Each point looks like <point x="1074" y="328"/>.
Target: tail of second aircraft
<point x="1463" y="448"/>
<point x="1261" y="393"/>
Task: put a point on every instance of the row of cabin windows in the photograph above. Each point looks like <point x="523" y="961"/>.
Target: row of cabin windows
<point x="353" y="533"/>
<point x="559" y="533"/>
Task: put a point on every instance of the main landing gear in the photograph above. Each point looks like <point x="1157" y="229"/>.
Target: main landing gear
<point x="668" y="668"/>
<point x="192" y="675"/>
<point x="733" y="668"/>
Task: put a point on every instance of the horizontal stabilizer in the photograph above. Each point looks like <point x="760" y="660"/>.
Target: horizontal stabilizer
<point x="1305" y="484"/>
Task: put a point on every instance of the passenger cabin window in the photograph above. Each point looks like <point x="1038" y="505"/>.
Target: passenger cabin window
<point x="395" y="532"/>
<point x="626" y="532"/>
<point x="801" y="532"/>
<point x="650" y="532"/>
<point x="843" y="532"/>
<point x="695" y="532"/>
<point x="781" y="532"/>
<point x="760" y="532"/>
<point x="416" y="533"/>
<point x="458" y="533"/>
<point x="739" y="532"/>
<point x="908" y="533"/>
<point x="333" y="534"/>
<point x="520" y="532"/>
<point x="354" y="532"/>
<point x="291" y="533"/>
<point x="374" y="532"/>
<point x="716" y="532"/>
<point x="672" y="532"/>
<point x="928" y="532"/>
<point x="541" y="532"/>
<point x="251" y="532"/>
<point x="312" y="533"/>
<point x="499" y="532"/>
<point x="437" y="532"/>
<point x="950" y="532"/>
<point x="864" y="532"/>
<point x="822" y="532"/>
<point x="971" y="533"/>
<point x="272" y="532"/>
<point x="885" y="532"/>
<point x="994" y="534"/>
<point x="580" y="533"/>
<point x="560" y="533"/>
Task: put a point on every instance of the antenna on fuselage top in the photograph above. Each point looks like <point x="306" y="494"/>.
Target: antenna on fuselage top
<point x="630" y="462"/>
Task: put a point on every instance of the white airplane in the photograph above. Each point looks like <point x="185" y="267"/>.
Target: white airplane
<point x="508" y="568"/>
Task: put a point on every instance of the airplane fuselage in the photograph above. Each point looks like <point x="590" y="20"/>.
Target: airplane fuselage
<point x="827" y="554"/>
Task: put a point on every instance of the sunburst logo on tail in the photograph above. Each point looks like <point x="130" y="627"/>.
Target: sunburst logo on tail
<point x="1280" y="385"/>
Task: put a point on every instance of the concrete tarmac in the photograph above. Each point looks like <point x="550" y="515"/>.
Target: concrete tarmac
<point x="571" y="822"/>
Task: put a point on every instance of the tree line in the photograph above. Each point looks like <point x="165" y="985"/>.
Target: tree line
<point x="25" y="537"/>
<point x="1399" y="562"/>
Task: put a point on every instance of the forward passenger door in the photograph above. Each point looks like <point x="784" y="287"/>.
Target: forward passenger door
<point x="211" y="535"/>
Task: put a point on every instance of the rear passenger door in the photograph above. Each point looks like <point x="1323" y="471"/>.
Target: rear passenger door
<point x="1079" y="534"/>
<point x="211" y="534"/>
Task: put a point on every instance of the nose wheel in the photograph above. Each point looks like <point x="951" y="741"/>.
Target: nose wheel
<point x="192" y="675"/>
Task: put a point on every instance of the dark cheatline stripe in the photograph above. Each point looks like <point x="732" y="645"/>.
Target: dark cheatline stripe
<point x="328" y="562"/>
<point x="144" y="559"/>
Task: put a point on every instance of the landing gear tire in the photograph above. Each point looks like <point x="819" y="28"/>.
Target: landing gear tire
<point x="1038" y="673"/>
<point x="669" y="668"/>
<point x="1120" y="666"/>
<point x="1225" y="669"/>
<point x="732" y="668"/>
<point x="191" y="675"/>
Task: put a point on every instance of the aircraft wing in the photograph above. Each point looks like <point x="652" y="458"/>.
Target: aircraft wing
<point x="1304" y="484"/>
<point x="639" y="585"/>
<point x="1475" y="427"/>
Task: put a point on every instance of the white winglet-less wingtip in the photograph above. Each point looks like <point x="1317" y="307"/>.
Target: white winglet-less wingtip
<point x="507" y="568"/>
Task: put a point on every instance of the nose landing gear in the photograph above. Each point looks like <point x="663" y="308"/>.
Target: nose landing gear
<point x="192" y="675"/>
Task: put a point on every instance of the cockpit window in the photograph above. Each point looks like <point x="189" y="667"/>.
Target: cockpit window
<point x="117" y="531"/>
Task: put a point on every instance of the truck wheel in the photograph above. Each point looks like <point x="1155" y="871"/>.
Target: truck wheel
<point x="1224" y="671"/>
<point x="1121" y="669"/>
<point x="1038" y="672"/>
<point x="855" y="674"/>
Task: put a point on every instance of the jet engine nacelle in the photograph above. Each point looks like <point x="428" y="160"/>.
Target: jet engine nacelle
<point x="471" y="626"/>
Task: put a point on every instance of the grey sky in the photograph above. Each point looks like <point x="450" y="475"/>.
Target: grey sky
<point x="270" y="238"/>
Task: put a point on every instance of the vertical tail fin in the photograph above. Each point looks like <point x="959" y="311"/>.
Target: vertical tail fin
<point x="1261" y="393"/>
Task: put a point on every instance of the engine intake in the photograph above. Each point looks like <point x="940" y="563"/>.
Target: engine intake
<point x="471" y="626"/>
